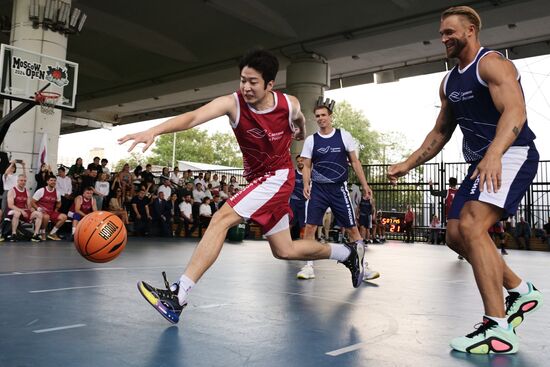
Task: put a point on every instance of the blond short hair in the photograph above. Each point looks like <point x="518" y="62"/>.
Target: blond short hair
<point x="465" y="11"/>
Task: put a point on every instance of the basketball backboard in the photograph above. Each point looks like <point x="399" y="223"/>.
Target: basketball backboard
<point x="23" y="73"/>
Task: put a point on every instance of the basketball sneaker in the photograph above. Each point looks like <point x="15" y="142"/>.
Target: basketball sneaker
<point x="354" y="263"/>
<point x="369" y="274"/>
<point x="36" y="238"/>
<point x="519" y="305"/>
<point x="488" y="338"/>
<point x="165" y="301"/>
<point x="306" y="273"/>
<point x="54" y="237"/>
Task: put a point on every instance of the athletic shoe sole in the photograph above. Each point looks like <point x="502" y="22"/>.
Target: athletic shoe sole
<point x="303" y="277"/>
<point x="517" y="318"/>
<point x="157" y="305"/>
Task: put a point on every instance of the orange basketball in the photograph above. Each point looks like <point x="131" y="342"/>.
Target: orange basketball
<point x="100" y="236"/>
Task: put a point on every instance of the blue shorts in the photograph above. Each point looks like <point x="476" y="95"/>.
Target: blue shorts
<point x="336" y="197"/>
<point x="365" y="220"/>
<point x="519" y="168"/>
<point x="299" y="212"/>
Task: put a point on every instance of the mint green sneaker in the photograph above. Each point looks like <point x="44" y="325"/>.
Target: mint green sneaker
<point x="488" y="338"/>
<point x="519" y="305"/>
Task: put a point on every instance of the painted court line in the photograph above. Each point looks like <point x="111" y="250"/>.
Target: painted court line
<point x="87" y="269"/>
<point x="347" y="349"/>
<point x="70" y="288"/>
<point x="58" y="328"/>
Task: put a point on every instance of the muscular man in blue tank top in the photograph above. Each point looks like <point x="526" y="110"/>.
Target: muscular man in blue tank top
<point x="483" y="95"/>
<point x="326" y="155"/>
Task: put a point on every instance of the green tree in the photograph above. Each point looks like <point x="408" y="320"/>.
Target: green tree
<point x="134" y="159"/>
<point x="197" y="146"/>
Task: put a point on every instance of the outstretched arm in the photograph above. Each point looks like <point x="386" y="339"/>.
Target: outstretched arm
<point x="433" y="143"/>
<point x="220" y="106"/>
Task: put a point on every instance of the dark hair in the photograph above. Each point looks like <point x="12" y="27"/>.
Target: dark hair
<point x="263" y="62"/>
<point x="89" y="188"/>
<point x="51" y="176"/>
<point x="62" y="169"/>
<point x="104" y="160"/>
<point x="325" y="107"/>
<point x="95" y="158"/>
<point x="452" y="181"/>
<point x="298" y="156"/>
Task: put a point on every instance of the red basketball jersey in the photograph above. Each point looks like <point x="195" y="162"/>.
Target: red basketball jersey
<point x="48" y="199"/>
<point x="264" y="136"/>
<point x="86" y="206"/>
<point x="449" y="200"/>
<point x="21" y="197"/>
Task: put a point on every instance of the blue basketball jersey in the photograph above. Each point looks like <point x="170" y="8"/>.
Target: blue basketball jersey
<point x="329" y="159"/>
<point x="473" y="108"/>
<point x="298" y="193"/>
<point x="365" y="206"/>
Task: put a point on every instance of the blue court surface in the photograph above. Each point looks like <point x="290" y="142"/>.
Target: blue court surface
<point x="57" y="309"/>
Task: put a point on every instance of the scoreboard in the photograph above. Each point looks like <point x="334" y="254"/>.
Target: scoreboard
<point x="393" y="221"/>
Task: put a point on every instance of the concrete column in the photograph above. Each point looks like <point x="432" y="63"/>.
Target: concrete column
<point x="306" y="79"/>
<point x="25" y="134"/>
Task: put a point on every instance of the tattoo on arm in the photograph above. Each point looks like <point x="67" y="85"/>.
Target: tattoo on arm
<point x="515" y="130"/>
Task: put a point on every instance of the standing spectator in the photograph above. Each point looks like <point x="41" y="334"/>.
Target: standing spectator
<point x="76" y="169"/>
<point x="101" y="190"/>
<point x="448" y="194"/>
<point x="19" y="208"/>
<point x="116" y="206"/>
<point x="498" y="235"/>
<point x="104" y="168"/>
<point x="64" y="187"/>
<point x="186" y="215"/>
<point x="125" y="180"/>
<point x="366" y="210"/>
<point x="174" y="210"/>
<point x="355" y="196"/>
<point x="148" y="179"/>
<point x="523" y="230"/>
<point x="42" y="176"/>
<point x="95" y="166"/>
<point x="435" y="229"/>
<point x="48" y="201"/>
<point x="9" y="179"/>
<point x="175" y="176"/>
<point x="298" y="201"/>
<point x="140" y="213"/>
<point x="215" y="183"/>
<point x="160" y="214"/>
<point x="83" y="204"/>
<point x="409" y="225"/>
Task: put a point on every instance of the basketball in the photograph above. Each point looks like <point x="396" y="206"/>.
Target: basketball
<point x="100" y="237"/>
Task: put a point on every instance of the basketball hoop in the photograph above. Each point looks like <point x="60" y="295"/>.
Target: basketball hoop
<point x="47" y="101"/>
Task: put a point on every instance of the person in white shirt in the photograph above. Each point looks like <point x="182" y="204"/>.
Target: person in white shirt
<point x="101" y="190"/>
<point x="104" y="169"/>
<point x="198" y="193"/>
<point x="215" y="183"/>
<point x="205" y="213"/>
<point x="166" y="187"/>
<point x="175" y="177"/>
<point x="186" y="215"/>
<point x="9" y="179"/>
<point x="64" y="186"/>
<point x="200" y="180"/>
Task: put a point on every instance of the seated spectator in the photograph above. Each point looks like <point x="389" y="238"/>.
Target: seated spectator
<point x="64" y="187"/>
<point x="104" y="168"/>
<point x="116" y="206"/>
<point x="148" y="179"/>
<point x="42" y="176"/>
<point x="207" y="178"/>
<point x="186" y="215"/>
<point x="224" y="192"/>
<point x="9" y="179"/>
<point x="83" y="204"/>
<point x="190" y="177"/>
<point x="208" y="191"/>
<point x="435" y="229"/>
<point x="95" y="166"/>
<point x="215" y="182"/>
<point x="200" y="179"/>
<point x="233" y="181"/>
<point x="187" y="189"/>
<point x="140" y="213"/>
<point x="101" y="190"/>
<point x="89" y="178"/>
<point x="20" y="209"/>
<point x="215" y="204"/>
<point x="175" y="177"/>
<point x="165" y="174"/>
<point x="166" y="187"/>
<point x="174" y="210"/>
<point x="205" y="212"/>
<point x="137" y="178"/>
<point x="125" y="180"/>
<point x="223" y="180"/>
<point x="160" y="214"/>
<point x="523" y="230"/>
<point x="198" y="193"/>
<point x="76" y="170"/>
<point x="48" y="201"/>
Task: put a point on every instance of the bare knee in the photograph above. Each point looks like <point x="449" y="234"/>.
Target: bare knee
<point x="280" y="254"/>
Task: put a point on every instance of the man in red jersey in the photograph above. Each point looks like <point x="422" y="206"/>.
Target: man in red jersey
<point x="264" y="122"/>
<point x="82" y="205"/>
<point x="48" y="200"/>
<point x="19" y="208"/>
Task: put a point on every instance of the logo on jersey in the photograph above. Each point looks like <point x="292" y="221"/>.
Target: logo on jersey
<point x="325" y="150"/>
<point x="259" y="134"/>
<point x="474" y="186"/>
<point x="461" y="96"/>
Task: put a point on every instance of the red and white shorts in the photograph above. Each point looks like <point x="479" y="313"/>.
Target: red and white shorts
<point x="28" y="219"/>
<point x="266" y="201"/>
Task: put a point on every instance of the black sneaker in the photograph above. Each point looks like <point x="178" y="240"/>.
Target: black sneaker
<point x="165" y="301"/>
<point x="354" y="263"/>
<point x="12" y="238"/>
<point x="36" y="238"/>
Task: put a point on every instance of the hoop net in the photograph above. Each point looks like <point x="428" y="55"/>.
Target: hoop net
<point x="47" y="101"/>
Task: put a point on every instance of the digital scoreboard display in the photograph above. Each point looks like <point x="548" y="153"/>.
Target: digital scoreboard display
<point x="393" y="221"/>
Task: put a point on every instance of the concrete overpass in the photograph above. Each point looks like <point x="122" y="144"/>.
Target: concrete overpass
<point x="141" y="60"/>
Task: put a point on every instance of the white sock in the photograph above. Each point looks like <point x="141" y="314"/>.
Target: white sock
<point x="53" y="230"/>
<point x="338" y="252"/>
<point x="186" y="285"/>
<point x="73" y="230"/>
<point x="502" y="322"/>
<point x="522" y="288"/>
<point x="309" y="263"/>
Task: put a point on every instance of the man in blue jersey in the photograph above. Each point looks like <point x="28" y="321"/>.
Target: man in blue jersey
<point x="326" y="155"/>
<point x="483" y="95"/>
<point x="298" y="201"/>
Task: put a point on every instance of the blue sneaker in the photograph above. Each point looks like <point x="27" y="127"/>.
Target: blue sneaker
<point x="165" y="301"/>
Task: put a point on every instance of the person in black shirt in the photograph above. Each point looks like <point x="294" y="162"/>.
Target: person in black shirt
<point x="140" y="213"/>
<point x="95" y="166"/>
<point x="148" y="179"/>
